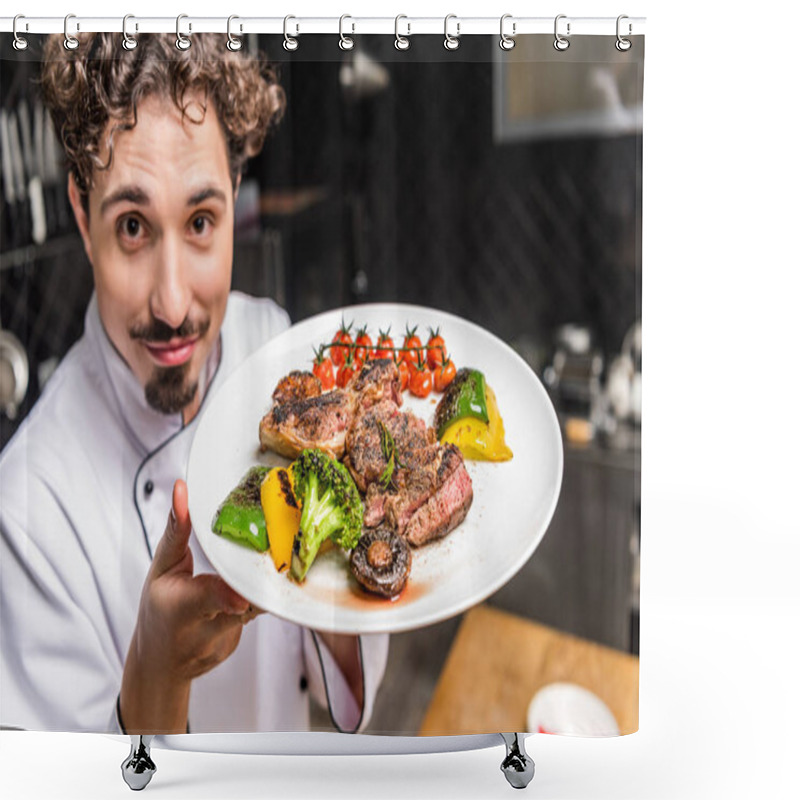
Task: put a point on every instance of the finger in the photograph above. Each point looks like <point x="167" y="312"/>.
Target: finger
<point x="210" y="596"/>
<point x="174" y="544"/>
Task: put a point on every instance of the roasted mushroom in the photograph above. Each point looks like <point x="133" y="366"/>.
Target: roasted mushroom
<point x="381" y="561"/>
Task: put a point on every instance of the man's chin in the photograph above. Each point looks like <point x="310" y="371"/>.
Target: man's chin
<point x="169" y="389"/>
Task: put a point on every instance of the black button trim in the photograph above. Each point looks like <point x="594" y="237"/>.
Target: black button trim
<point x="148" y="488"/>
<point x="303" y="683"/>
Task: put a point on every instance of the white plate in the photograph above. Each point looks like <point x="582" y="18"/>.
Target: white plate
<point x="570" y="710"/>
<point x="512" y="506"/>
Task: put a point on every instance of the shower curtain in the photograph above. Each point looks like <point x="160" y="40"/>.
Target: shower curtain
<point x="388" y="281"/>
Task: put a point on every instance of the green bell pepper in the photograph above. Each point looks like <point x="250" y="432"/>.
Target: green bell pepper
<point x="464" y="397"/>
<point x="240" y="518"/>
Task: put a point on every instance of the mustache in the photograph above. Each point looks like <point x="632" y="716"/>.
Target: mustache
<point x="158" y="331"/>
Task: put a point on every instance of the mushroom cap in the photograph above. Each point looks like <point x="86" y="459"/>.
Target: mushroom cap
<point x="381" y="561"/>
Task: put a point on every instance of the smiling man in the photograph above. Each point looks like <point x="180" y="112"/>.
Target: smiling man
<point x="111" y="619"/>
<point x="158" y="229"/>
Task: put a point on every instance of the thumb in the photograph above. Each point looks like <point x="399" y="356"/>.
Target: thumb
<point x="174" y="544"/>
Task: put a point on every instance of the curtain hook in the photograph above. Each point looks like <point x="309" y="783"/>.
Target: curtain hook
<point x="128" y="42"/>
<point x="560" y="42"/>
<point x="234" y="43"/>
<point x="507" y="42"/>
<point x="290" y="43"/>
<point x="20" y="42"/>
<point x="70" y="42"/>
<point x="623" y="44"/>
<point x="346" y="42"/>
<point x="401" y="42"/>
<point x="182" y="42"/>
<point x="452" y="42"/>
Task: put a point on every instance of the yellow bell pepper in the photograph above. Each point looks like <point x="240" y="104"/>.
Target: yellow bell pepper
<point x="478" y="440"/>
<point x="282" y="514"/>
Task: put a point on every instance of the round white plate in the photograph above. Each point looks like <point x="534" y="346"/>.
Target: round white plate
<point x="570" y="710"/>
<point x="512" y="506"/>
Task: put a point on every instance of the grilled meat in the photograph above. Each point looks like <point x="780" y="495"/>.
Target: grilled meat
<point x="303" y="416"/>
<point x="428" y="496"/>
<point x="321" y="421"/>
<point x="447" y="507"/>
<point x="376" y="381"/>
<point x="420" y="488"/>
<point x="413" y="440"/>
<point x="296" y="386"/>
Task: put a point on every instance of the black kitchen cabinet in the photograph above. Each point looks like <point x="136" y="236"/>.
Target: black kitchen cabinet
<point x="581" y="578"/>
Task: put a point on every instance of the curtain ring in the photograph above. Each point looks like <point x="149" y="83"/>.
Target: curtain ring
<point x="621" y="44"/>
<point x="20" y="42"/>
<point x="346" y="42"/>
<point x="401" y="42"/>
<point x="560" y="42"/>
<point x="182" y="42"/>
<point x="234" y="43"/>
<point x="451" y="42"/>
<point x="507" y="42"/>
<point x="70" y="42"/>
<point x="128" y="42"/>
<point x="290" y="43"/>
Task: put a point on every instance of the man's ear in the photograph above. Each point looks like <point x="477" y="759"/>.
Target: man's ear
<point x="81" y="217"/>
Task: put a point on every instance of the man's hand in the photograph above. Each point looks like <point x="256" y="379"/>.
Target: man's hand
<point x="187" y="625"/>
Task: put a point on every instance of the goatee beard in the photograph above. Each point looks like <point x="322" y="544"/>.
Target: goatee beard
<point x="168" y="390"/>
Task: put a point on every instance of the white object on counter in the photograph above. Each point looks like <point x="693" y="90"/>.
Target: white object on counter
<point x="570" y="710"/>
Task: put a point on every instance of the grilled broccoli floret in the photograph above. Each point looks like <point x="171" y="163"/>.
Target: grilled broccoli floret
<point x="331" y="506"/>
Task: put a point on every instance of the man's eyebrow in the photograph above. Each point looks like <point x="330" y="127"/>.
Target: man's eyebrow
<point x="207" y="193"/>
<point x="129" y="194"/>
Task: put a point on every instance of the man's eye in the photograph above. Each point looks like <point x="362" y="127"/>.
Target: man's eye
<point x="200" y="224"/>
<point x="131" y="227"/>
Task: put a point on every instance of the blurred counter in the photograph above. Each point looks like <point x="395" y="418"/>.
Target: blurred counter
<point x="497" y="663"/>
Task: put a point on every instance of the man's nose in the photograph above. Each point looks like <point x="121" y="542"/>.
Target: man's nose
<point x="171" y="296"/>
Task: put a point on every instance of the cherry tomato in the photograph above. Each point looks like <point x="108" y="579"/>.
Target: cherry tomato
<point x="420" y="381"/>
<point x="339" y="354"/>
<point x="363" y="345"/>
<point x="436" y="349"/>
<point x="411" y="340"/>
<point x="385" y="346"/>
<point x="443" y="374"/>
<point x="323" y="369"/>
<point x="345" y="373"/>
<point x="405" y="373"/>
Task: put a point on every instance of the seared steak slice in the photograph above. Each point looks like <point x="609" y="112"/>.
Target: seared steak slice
<point x="413" y="440"/>
<point x="447" y="507"/>
<point x="429" y="499"/>
<point x="296" y="386"/>
<point x="376" y="381"/>
<point x="321" y="421"/>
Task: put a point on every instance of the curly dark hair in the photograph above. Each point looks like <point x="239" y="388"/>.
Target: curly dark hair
<point x="101" y="82"/>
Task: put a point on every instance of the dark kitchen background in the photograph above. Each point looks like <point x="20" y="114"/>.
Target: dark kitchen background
<point x="502" y="187"/>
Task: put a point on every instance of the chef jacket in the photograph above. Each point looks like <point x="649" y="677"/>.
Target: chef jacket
<point x="85" y="492"/>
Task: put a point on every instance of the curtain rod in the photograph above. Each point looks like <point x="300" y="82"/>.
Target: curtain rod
<point x="348" y="25"/>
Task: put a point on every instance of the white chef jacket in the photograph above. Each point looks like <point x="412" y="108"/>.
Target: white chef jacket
<point x="85" y="491"/>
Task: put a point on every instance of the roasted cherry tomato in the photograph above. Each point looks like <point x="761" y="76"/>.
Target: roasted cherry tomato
<point x="420" y="381"/>
<point x="363" y="345"/>
<point x="443" y="375"/>
<point x="323" y="369"/>
<point x="343" y="337"/>
<point x="436" y="349"/>
<point x="345" y="373"/>
<point x="405" y="373"/>
<point x="411" y="340"/>
<point x="385" y="345"/>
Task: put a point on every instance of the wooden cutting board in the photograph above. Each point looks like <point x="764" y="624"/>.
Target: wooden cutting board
<point x="497" y="663"/>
